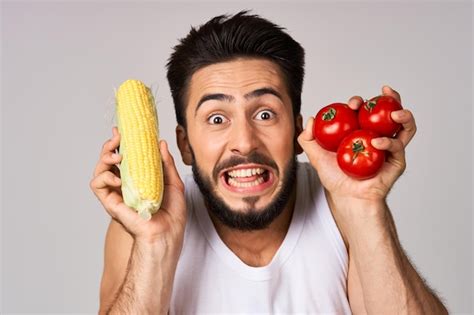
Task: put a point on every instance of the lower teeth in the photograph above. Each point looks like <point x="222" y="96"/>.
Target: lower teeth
<point x="234" y="183"/>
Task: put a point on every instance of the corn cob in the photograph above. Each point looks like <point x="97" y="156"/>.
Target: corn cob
<point x="140" y="170"/>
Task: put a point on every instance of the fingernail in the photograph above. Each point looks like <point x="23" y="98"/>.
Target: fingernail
<point x="400" y="114"/>
<point x="377" y="142"/>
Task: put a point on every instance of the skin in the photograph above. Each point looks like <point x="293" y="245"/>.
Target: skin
<point x="242" y="133"/>
<point x="380" y="280"/>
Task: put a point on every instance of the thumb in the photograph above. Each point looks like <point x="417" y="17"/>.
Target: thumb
<point x="170" y="173"/>
<point x="306" y="138"/>
<point x="307" y="134"/>
<point x="316" y="154"/>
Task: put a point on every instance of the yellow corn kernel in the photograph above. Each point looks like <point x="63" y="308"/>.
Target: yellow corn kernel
<point x="140" y="170"/>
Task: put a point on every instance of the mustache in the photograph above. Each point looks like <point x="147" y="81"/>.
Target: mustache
<point x="236" y="160"/>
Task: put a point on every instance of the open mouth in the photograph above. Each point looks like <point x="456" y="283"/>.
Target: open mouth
<point x="248" y="178"/>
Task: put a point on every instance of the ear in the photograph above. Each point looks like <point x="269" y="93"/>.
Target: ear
<point x="183" y="145"/>
<point x="298" y="130"/>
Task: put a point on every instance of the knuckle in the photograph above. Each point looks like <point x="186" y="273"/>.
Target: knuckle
<point x="106" y="143"/>
<point x="356" y="100"/>
<point x="401" y="148"/>
<point x="108" y="176"/>
<point x="411" y="129"/>
<point x="92" y="183"/>
<point x="392" y="146"/>
<point x="112" y="212"/>
<point x="169" y="162"/>
<point x="106" y="157"/>
<point x="403" y="166"/>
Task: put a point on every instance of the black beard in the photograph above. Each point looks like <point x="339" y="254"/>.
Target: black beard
<point x="251" y="219"/>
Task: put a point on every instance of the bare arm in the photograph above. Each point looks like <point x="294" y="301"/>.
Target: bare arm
<point x="137" y="277"/>
<point x="117" y="252"/>
<point x="149" y="280"/>
<point x="381" y="279"/>
<point x="140" y="256"/>
<point x="386" y="282"/>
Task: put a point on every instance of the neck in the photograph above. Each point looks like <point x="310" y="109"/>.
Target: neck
<point x="257" y="248"/>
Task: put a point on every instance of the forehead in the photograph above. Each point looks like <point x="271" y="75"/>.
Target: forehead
<point x="236" y="77"/>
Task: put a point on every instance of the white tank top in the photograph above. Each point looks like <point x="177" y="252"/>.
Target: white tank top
<point x="308" y="273"/>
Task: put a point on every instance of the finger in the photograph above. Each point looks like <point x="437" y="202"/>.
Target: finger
<point x="125" y="215"/>
<point x="105" y="180"/>
<point x="106" y="158"/>
<point x="311" y="147"/>
<point x="102" y="184"/>
<point x="115" y="131"/>
<point x="113" y="143"/>
<point x="106" y="163"/>
<point x="307" y="133"/>
<point x="387" y="90"/>
<point x="355" y="102"/>
<point x="170" y="173"/>
<point x="394" y="146"/>
<point x="406" y="118"/>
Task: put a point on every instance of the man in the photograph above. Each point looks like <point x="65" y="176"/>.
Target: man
<point x="254" y="231"/>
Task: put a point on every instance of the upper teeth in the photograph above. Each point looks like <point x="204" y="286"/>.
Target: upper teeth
<point x="246" y="172"/>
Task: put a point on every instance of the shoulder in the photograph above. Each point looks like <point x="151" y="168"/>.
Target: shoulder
<point x="192" y="196"/>
<point x="319" y="214"/>
<point x="190" y="189"/>
<point x="308" y="179"/>
<point x="306" y="170"/>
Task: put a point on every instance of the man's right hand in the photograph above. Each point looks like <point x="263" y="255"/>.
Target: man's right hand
<point x="167" y="224"/>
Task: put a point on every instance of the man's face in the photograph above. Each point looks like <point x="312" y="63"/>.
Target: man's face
<point x="240" y="132"/>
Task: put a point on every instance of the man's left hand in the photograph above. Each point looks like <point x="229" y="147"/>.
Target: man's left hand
<point x="343" y="187"/>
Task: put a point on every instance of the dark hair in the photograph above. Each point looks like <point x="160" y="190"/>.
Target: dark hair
<point x="224" y="38"/>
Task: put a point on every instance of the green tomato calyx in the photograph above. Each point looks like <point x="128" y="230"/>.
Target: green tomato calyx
<point x="329" y="114"/>
<point x="358" y="148"/>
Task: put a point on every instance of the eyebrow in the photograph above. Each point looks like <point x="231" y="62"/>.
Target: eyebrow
<point x="229" y="98"/>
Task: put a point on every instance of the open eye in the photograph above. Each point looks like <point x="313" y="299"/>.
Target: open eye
<point x="265" y="115"/>
<point x="216" y="119"/>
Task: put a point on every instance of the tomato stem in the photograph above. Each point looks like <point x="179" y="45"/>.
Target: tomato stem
<point x="329" y="114"/>
<point x="357" y="147"/>
<point x="370" y="104"/>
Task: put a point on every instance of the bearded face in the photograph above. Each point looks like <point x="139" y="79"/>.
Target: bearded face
<point x="240" y="139"/>
<point x="250" y="217"/>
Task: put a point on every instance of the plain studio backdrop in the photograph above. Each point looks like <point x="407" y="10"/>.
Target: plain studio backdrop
<point x="62" y="60"/>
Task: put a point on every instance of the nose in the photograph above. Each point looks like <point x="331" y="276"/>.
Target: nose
<point x="244" y="138"/>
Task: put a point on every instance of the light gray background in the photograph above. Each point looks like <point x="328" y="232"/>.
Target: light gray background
<point x="61" y="61"/>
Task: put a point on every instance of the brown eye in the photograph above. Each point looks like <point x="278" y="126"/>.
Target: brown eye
<point x="216" y="119"/>
<point x="265" y="115"/>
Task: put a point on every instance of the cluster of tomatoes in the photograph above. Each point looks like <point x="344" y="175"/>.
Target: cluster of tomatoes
<point x="340" y="129"/>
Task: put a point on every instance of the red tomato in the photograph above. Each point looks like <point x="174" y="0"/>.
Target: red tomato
<point x="374" y="115"/>
<point x="332" y="123"/>
<point x="357" y="157"/>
